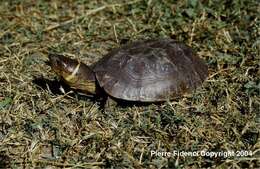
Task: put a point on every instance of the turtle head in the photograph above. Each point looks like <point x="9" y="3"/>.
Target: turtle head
<point x="76" y="74"/>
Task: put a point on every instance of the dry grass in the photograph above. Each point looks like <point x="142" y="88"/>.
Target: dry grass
<point x="41" y="129"/>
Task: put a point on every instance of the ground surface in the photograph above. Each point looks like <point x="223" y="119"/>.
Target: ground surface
<point x="41" y="127"/>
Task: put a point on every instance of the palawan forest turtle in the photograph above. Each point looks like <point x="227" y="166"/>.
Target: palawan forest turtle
<point x="143" y="71"/>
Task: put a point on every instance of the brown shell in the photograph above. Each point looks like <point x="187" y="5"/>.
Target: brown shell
<point x="150" y="71"/>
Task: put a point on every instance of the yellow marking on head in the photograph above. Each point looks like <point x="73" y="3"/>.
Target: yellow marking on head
<point x="72" y="75"/>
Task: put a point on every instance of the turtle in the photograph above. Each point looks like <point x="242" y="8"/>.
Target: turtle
<point x="153" y="70"/>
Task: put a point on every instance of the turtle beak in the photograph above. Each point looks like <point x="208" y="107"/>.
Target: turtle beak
<point x="54" y="60"/>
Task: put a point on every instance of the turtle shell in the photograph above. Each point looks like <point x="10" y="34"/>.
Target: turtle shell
<point x="150" y="71"/>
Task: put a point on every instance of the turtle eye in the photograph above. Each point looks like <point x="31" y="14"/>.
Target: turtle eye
<point x="62" y="63"/>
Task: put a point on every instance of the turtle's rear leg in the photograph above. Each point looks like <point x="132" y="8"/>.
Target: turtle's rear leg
<point x="110" y="104"/>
